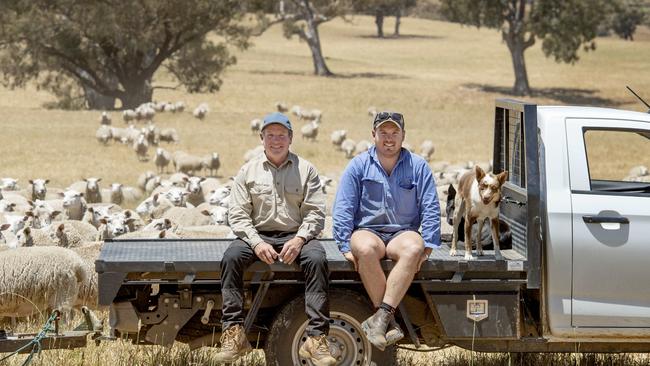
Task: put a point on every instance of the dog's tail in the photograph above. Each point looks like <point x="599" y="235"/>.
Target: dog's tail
<point x="451" y="204"/>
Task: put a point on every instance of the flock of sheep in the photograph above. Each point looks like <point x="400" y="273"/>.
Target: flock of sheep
<point x="41" y="225"/>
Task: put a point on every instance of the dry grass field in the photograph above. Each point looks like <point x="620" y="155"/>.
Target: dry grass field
<point x="443" y="77"/>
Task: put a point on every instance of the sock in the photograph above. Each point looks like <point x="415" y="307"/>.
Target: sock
<point x="388" y="308"/>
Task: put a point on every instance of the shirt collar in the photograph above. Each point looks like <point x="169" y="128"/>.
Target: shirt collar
<point x="372" y="152"/>
<point x="291" y="159"/>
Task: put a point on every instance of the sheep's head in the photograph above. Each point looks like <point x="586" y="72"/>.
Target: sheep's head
<point x="194" y="184"/>
<point x="177" y="196"/>
<point x="39" y="188"/>
<point x="218" y="214"/>
<point x="117" y="223"/>
<point x="92" y="184"/>
<point x="217" y="196"/>
<point x="9" y="184"/>
<point x="71" y="198"/>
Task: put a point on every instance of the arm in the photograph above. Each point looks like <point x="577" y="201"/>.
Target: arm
<point x="239" y="212"/>
<point x="312" y="208"/>
<point x="429" y="208"/>
<point x="346" y="205"/>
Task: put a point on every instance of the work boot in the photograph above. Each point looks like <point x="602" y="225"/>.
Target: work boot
<point x="234" y="344"/>
<point x="317" y="350"/>
<point x="394" y="332"/>
<point x="375" y="328"/>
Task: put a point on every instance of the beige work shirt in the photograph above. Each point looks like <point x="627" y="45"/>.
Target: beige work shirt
<point x="287" y="198"/>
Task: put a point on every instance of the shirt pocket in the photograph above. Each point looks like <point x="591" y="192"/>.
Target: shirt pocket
<point x="294" y="194"/>
<point x="406" y="200"/>
<point x="372" y="194"/>
<point x="261" y="196"/>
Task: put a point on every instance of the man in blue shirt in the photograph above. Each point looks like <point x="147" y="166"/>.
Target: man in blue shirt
<point x="384" y="197"/>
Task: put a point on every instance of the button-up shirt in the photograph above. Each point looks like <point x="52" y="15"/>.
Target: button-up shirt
<point x="267" y="198"/>
<point x="368" y="197"/>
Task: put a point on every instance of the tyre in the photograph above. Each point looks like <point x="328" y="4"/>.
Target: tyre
<point x="347" y="341"/>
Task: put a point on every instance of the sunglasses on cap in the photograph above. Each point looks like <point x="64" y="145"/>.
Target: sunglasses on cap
<point x="389" y="116"/>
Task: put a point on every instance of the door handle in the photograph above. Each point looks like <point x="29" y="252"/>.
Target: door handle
<point x="590" y="219"/>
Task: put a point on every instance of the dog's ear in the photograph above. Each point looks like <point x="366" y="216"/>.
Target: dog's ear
<point x="480" y="174"/>
<point x="451" y="192"/>
<point x="502" y="177"/>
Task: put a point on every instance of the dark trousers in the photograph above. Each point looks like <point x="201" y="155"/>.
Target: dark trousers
<point x="312" y="261"/>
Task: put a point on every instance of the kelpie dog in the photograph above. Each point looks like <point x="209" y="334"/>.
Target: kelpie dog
<point x="478" y="199"/>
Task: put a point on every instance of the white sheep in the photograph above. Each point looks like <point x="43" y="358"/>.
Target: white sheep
<point x="162" y="159"/>
<point x="256" y="125"/>
<point x="17" y="200"/>
<point x="218" y="215"/>
<point x="88" y="294"/>
<point x="95" y="212"/>
<point x="38" y="188"/>
<point x="204" y="232"/>
<point x="152" y="184"/>
<point x="90" y="189"/>
<point x="177" y="196"/>
<point x="193" y="186"/>
<point x="141" y="147"/>
<point x="201" y="111"/>
<point x="42" y="213"/>
<point x="311" y="115"/>
<point x="325" y="182"/>
<point x="128" y="115"/>
<point x="427" y="149"/>
<point x="104" y="134"/>
<point x="186" y="163"/>
<point x="362" y="146"/>
<point x="296" y="110"/>
<point x="169" y="135"/>
<point x="337" y="137"/>
<point x="120" y="194"/>
<point x="372" y="111"/>
<point x="114" y="225"/>
<point x="180" y="106"/>
<point x="16" y="222"/>
<point x="219" y="197"/>
<point x="68" y="234"/>
<point x="310" y="131"/>
<point x="39" y="279"/>
<point x="186" y="217"/>
<point x="9" y="184"/>
<point x="105" y="119"/>
<point x="154" y="207"/>
<point x="144" y="178"/>
<point x="250" y="154"/>
<point x="212" y="163"/>
<point x="152" y="134"/>
<point x="120" y="135"/>
<point x="348" y="146"/>
<point x="281" y="107"/>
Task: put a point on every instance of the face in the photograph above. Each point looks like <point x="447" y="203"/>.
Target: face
<point x="388" y="140"/>
<point x="276" y="139"/>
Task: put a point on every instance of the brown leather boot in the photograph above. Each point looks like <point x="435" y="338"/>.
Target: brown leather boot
<point x="375" y="328"/>
<point x="317" y="350"/>
<point x="394" y="332"/>
<point x="234" y="344"/>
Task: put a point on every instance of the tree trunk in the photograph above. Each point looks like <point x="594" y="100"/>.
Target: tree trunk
<point x="95" y="100"/>
<point x="398" y="20"/>
<point x="136" y="94"/>
<point x="517" y="47"/>
<point x="379" y="20"/>
<point x="313" y="40"/>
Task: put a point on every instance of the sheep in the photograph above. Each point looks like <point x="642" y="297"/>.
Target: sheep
<point x="186" y="163"/>
<point x="90" y="188"/>
<point x="9" y="184"/>
<point x="338" y="137"/>
<point x="372" y="111"/>
<point x="281" y="107"/>
<point x="16" y="222"/>
<point x="114" y="225"/>
<point x="212" y="163"/>
<point x="348" y="146"/>
<point x="218" y="215"/>
<point x="144" y="178"/>
<point x="154" y="207"/>
<point x="204" y="232"/>
<point x="88" y="294"/>
<point x="39" y="188"/>
<point x="169" y="135"/>
<point x="6" y="239"/>
<point x="120" y="194"/>
<point x="219" y="197"/>
<point x="193" y="186"/>
<point x="152" y="184"/>
<point x="120" y="135"/>
<point x="201" y="111"/>
<point x="128" y="115"/>
<point x="296" y="109"/>
<point x="256" y="125"/>
<point x="311" y="115"/>
<point x="427" y="149"/>
<point x="152" y="134"/>
<point x="310" y="131"/>
<point x="39" y="279"/>
<point x="7" y="206"/>
<point x="145" y="111"/>
<point x="186" y="217"/>
<point x="18" y="202"/>
<point x="105" y="119"/>
<point x="104" y="134"/>
<point x="66" y="234"/>
<point x="362" y="146"/>
<point x="325" y="182"/>
<point x="180" y="106"/>
<point x="250" y="154"/>
<point x="177" y="196"/>
<point x="42" y="214"/>
<point x="141" y="147"/>
<point x="162" y="159"/>
<point x="638" y="171"/>
<point x="95" y="212"/>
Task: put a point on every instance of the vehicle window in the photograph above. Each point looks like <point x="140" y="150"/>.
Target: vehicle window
<point x="516" y="167"/>
<point x="616" y="158"/>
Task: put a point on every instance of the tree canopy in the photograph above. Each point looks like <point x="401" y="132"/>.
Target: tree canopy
<point x="110" y="49"/>
<point x="563" y="26"/>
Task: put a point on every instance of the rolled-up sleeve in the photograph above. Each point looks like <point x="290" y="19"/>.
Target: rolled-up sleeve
<point x="239" y="212"/>
<point x="312" y="209"/>
<point x="346" y="205"/>
<point x="429" y="208"/>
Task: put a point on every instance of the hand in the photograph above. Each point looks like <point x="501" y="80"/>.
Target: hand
<point x="425" y="255"/>
<point x="349" y="256"/>
<point x="291" y="249"/>
<point x="265" y="252"/>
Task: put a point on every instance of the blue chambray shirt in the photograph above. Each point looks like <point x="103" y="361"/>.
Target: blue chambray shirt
<point x="368" y="198"/>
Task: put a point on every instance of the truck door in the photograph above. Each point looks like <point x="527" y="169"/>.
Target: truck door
<point x="611" y="222"/>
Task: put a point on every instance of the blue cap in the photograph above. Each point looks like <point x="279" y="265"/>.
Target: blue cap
<point x="277" y="117"/>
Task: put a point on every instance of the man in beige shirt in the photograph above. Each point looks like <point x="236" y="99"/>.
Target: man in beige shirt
<point x="277" y="209"/>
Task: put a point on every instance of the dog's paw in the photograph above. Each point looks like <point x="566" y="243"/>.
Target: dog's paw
<point x="452" y="252"/>
<point x="469" y="256"/>
<point x="479" y="252"/>
<point x="498" y="256"/>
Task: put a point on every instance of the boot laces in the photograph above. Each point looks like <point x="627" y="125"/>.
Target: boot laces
<point x="322" y="345"/>
<point x="230" y="337"/>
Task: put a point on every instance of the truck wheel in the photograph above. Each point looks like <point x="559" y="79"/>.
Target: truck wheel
<point x="347" y="341"/>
